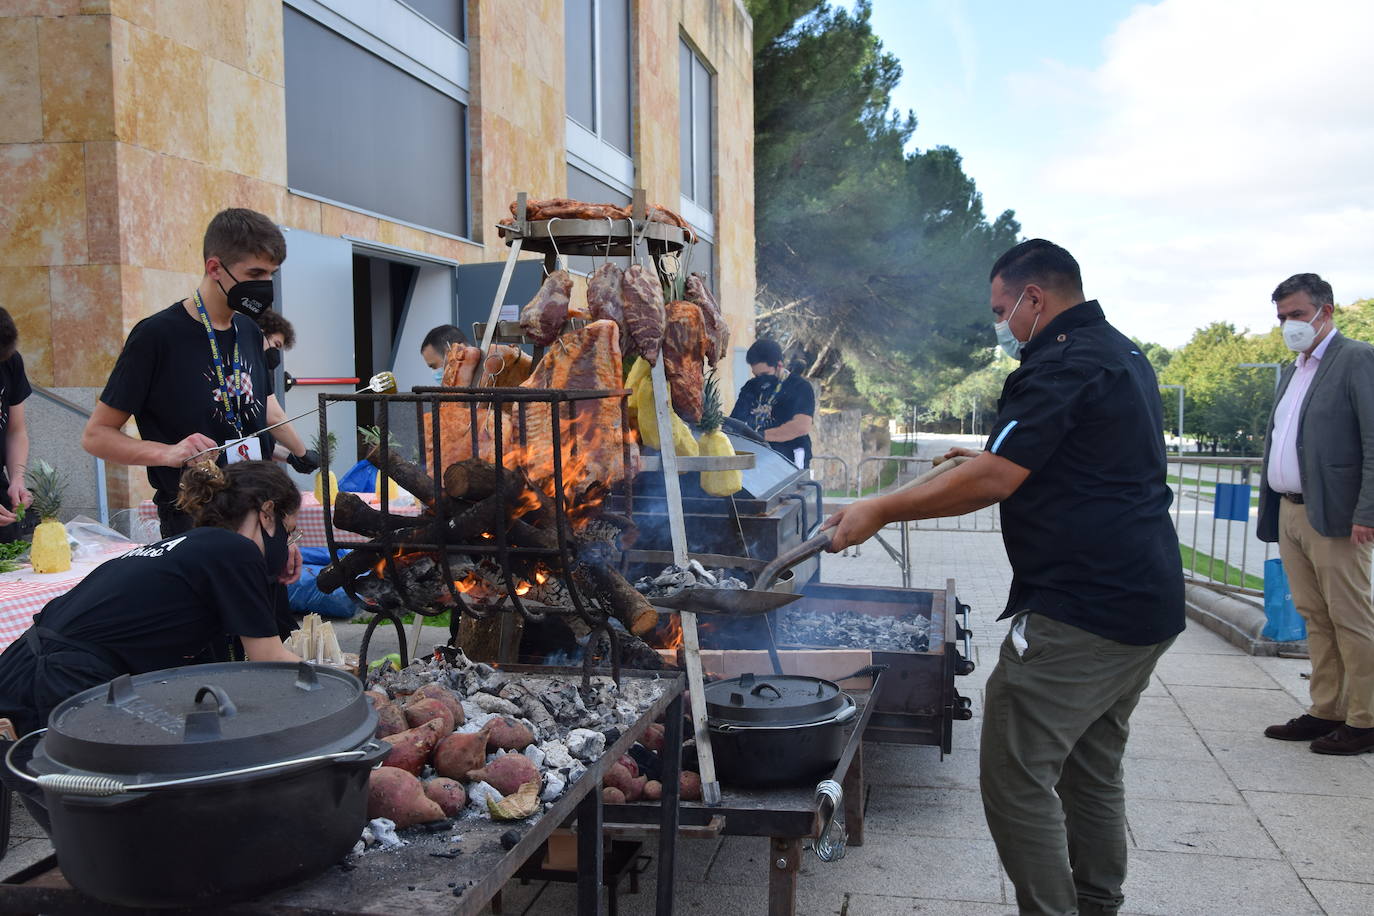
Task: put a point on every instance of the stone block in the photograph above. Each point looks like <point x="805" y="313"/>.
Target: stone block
<point x="1262" y="764"/>
<point x="77" y="78"/>
<point x="102" y="203"/>
<point x="1193" y="780"/>
<point x="27" y="299"/>
<point x="1323" y="837"/>
<point x="247" y="123"/>
<point x="137" y="12"/>
<point x="1156" y="710"/>
<point x="1180" y="884"/>
<point x="18" y="8"/>
<point x="167" y="110"/>
<point x="85" y="323"/>
<point x="263" y="32"/>
<point x="42" y="204"/>
<point x="1196" y="827"/>
<point x="21" y="104"/>
<point x="1198" y="640"/>
<point x="216" y="30"/>
<point x="1235" y="708"/>
<point x="1343" y="898"/>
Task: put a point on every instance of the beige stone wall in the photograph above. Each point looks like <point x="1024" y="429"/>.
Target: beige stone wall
<point x="126" y="124"/>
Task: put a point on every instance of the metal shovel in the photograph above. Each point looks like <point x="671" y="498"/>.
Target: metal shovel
<point x="748" y="602"/>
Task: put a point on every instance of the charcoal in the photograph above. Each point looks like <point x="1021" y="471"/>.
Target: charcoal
<point x="853" y="630"/>
<point x="674" y="580"/>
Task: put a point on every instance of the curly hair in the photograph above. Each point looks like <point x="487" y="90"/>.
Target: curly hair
<point x="271" y="322"/>
<point x="219" y="497"/>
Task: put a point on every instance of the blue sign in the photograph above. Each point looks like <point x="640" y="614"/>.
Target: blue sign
<point x="1232" y="502"/>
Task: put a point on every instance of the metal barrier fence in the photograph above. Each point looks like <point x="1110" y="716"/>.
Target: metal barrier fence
<point x="1216" y="509"/>
<point x="986" y="520"/>
<point x="825" y="477"/>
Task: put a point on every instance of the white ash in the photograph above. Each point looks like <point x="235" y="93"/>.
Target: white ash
<point x="479" y="793"/>
<point x="674" y="580"/>
<point x="585" y="744"/>
<point x="382" y="830"/>
<point x="556" y="754"/>
<point x="488" y="703"/>
<point x="851" y="629"/>
<point x="554" y="784"/>
<point x="535" y="754"/>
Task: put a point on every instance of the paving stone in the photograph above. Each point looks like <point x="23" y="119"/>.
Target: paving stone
<point x="1288" y="674"/>
<point x="1165" y="742"/>
<point x="1155" y="688"/>
<point x="1263" y="764"/>
<point x="1198" y="640"/>
<point x="1192" y="780"/>
<point x="1154" y="710"/>
<point x="1235" y="709"/>
<point x="1322" y="836"/>
<point x="1182" y="884"/>
<point x="873" y="905"/>
<point x="1220" y="671"/>
<point x="719" y="899"/>
<point x="921" y="867"/>
<point x="1343" y="898"/>
<point x="1194" y="827"/>
<point x="907" y="811"/>
<point x="901" y="765"/>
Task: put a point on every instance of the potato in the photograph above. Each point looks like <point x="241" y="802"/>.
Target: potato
<point x="653" y="790"/>
<point x="459" y="754"/>
<point x="630" y="764"/>
<point x="508" y="735"/>
<point x="445" y="696"/>
<point x="618" y="776"/>
<point x="410" y="748"/>
<point x="689" y="786"/>
<point x="397" y="795"/>
<point x="653" y="737"/>
<point x="508" y="773"/>
<point x="447" y="793"/>
<point x="612" y="796"/>
<point x="418" y="712"/>
<point x="390" y="720"/>
<point x="378" y="698"/>
<point x="636" y="790"/>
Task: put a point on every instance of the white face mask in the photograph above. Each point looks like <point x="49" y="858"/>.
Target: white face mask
<point x="1006" y="339"/>
<point x="1300" y="335"/>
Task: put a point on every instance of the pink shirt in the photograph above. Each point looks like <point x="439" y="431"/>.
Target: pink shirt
<point x="1285" y="475"/>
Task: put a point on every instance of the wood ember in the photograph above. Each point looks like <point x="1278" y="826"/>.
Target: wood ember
<point x="853" y="630"/>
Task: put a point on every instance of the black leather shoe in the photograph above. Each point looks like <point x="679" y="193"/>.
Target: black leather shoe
<point x="1303" y="728"/>
<point x="1345" y="741"/>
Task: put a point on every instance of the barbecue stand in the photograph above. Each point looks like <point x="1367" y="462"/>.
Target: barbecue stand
<point x="416" y="879"/>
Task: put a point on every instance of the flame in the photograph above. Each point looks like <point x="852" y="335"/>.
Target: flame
<point x="541" y="574"/>
<point x="380" y="569"/>
<point x="523" y="588"/>
<point x="672" y="637"/>
<point x="468" y="583"/>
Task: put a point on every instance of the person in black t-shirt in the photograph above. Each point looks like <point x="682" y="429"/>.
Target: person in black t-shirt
<point x="193" y="375"/>
<point x="781" y="408"/>
<point x="163" y="605"/>
<point x="14" y="430"/>
<point x="1077" y="461"/>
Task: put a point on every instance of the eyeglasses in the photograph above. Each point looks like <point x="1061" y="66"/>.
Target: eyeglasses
<point x="294" y="538"/>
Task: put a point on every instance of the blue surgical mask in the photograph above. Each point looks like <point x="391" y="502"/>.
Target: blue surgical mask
<point x="438" y="376"/>
<point x="1006" y="339"/>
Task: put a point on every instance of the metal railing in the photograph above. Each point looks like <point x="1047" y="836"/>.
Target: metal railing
<point x="101" y="491"/>
<point x="1216" y="509"/>
<point x="986" y="520"/>
<point x="825" y="478"/>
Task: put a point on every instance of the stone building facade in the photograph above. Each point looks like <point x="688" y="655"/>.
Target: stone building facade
<point x="357" y="124"/>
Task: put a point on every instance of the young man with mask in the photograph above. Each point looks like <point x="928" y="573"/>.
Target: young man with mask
<point x="192" y="375"/>
<point x="278" y="336"/>
<point x="1317" y="502"/>
<point x="1077" y="451"/>
<point x="434" y="348"/>
<point x="781" y="409"/>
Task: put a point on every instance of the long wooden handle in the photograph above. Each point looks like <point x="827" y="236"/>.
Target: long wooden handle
<point x="807" y="549"/>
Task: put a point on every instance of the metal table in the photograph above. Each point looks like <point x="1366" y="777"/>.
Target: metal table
<point x="787" y="816"/>
<point x="417" y="878"/>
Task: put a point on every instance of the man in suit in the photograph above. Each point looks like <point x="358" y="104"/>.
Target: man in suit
<point x="1317" y="502"/>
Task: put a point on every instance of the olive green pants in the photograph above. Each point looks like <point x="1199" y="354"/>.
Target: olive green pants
<point x="1055" y="722"/>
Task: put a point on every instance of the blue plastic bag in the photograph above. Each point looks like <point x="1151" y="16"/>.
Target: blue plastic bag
<point x="1284" y="623"/>
<point x="361" y="478"/>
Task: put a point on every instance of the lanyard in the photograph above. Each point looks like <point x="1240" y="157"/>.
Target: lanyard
<point x="226" y="391"/>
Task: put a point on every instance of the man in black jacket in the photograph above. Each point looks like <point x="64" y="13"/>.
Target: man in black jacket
<point x="1076" y="459"/>
<point x="1317" y="502"/>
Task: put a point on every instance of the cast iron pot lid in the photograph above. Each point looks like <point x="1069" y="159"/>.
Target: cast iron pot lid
<point x="773" y="699"/>
<point x="209" y="718"/>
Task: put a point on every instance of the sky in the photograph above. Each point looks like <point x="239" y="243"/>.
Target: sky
<point x="1190" y="153"/>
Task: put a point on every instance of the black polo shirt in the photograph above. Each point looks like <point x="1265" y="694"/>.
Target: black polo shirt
<point x="1088" y="533"/>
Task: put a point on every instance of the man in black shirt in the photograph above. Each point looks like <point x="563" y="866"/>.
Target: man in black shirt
<point x="14" y="429"/>
<point x="193" y="375"/>
<point x="780" y="408"/>
<point x="1076" y="459"/>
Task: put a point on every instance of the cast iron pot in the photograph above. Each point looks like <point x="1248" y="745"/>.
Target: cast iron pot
<point x="207" y="784"/>
<point x="777" y="729"/>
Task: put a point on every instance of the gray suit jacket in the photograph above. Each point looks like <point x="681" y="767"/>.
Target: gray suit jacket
<point x="1335" y="444"/>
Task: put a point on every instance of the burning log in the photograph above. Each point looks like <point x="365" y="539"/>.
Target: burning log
<point x="352" y="514"/>
<point x="408" y="475"/>
<point x="472" y="479"/>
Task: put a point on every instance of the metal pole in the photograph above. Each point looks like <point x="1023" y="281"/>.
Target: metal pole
<point x="1180" y="421"/>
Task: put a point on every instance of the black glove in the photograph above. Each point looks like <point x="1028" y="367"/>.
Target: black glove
<point x="307" y="463"/>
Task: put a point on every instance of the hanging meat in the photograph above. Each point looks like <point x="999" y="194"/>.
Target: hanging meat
<point x="642" y="298"/>
<point x="717" y="331"/>
<point x="684" y="349"/>
<point x="543" y="316"/>
<point x="604" y="299"/>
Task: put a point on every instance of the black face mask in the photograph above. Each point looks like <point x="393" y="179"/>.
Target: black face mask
<point x="273" y="358"/>
<point x="248" y="297"/>
<point x="275" y="550"/>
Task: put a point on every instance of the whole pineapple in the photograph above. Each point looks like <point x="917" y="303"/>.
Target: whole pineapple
<point x="50" y="553"/>
<point x="715" y="443"/>
<point x="326" y="452"/>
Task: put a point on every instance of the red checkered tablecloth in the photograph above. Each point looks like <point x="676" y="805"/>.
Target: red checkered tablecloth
<point x="24" y="593"/>
<point x="310" y="520"/>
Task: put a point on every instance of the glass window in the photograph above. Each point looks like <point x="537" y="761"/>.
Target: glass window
<point x="596" y="45"/>
<point x="578" y="62"/>
<point x="366" y="134"/>
<point x="446" y="14"/>
<point x="695" y="126"/>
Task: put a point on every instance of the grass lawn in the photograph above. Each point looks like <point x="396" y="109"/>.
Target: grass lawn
<point x="1206" y="492"/>
<point x="1209" y="567"/>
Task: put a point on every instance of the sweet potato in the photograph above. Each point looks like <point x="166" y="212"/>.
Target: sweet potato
<point x="418" y="712"/>
<point x="508" y="773"/>
<point x="443" y="695"/>
<point x="612" y="796"/>
<point x="630" y="764"/>
<point x="447" y="793"/>
<point x="410" y="749"/>
<point x="636" y="790"/>
<point x="459" y="754"/>
<point x="689" y="786"/>
<point x="377" y="697"/>
<point x="390" y="720"/>
<point x="653" y="737"/>
<point x="617" y="775"/>
<point x="508" y="734"/>
<point x="653" y="790"/>
<point x="397" y="795"/>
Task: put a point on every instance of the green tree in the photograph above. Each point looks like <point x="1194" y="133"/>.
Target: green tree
<point x="871" y="260"/>
<point x="1226" y="406"/>
<point x="1357" y="319"/>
